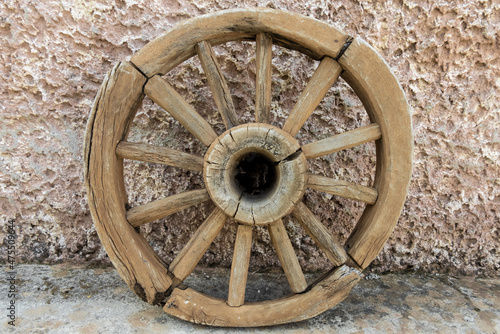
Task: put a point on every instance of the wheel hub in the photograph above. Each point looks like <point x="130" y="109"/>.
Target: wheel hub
<point x="255" y="173"/>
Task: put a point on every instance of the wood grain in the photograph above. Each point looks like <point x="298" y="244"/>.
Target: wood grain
<point x="198" y="308"/>
<point x="162" y="93"/>
<point x="187" y="259"/>
<point x="239" y="267"/>
<point x="374" y="83"/>
<point x="114" y="108"/>
<point x="287" y="256"/>
<point x="159" y="155"/>
<point x="217" y="84"/>
<point x="314" y="38"/>
<point x="320" y="234"/>
<point x="323" y="78"/>
<point x="342" y="141"/>
<point x="222" y="159"/>
<point x="263" y="59"/>
<point x="121" y="94"/>
<point x="342" y="188"/>
<point x="164" y="207"/>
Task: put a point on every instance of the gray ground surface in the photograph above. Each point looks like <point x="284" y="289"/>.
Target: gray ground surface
<point x="66" y="299"/>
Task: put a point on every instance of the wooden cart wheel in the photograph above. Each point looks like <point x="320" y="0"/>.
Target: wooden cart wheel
<point x="254" y="172"/>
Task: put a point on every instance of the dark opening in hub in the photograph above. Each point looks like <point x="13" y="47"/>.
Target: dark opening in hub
<point x="255" y="174"/>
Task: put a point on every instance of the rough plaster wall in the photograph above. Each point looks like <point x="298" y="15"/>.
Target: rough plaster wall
<point x="55" y="54"/>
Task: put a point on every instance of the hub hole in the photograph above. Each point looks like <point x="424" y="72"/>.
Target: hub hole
<point x="255" y="174"/>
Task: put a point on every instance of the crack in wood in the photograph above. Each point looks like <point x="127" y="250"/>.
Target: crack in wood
<point x="295" y="155"/>
<point x="344" y="47"/>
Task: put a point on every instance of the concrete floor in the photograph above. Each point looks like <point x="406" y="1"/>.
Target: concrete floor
<point x="68" y="299"/>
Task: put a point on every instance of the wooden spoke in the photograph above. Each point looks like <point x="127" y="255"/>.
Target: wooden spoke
<point x="217" y="84"/>
<point x="323" y="78"/>
<point x="240" y="151"/>
<point x="287" y="256"/>
<point x="159" y="155"/>
<point x="162" y="93"/>
<point x="239" y="268"/>
<point x="320" y="234"/>
<point x="263" y="78"/>
<point x="342" y="141"/>
<point x="190" y="255"/>
<point x="146" y="213"/>
<point x="342" y="188"/>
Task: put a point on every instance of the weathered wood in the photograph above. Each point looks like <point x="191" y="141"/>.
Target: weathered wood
<point x="202" y="309"/>
<point x="384" y="101"/>
<point x="314" y="38"/>
<point x="159" y="155"/>
<point x="239" y="267"/>
<point x="164" y="207"/>
<point x="114" y="108"/>
<point x="320" y="234"/>
<point x="187" y="259"/>
<point x="342" y="141"/>
<point x="289" y="164"/>
<point x="342" y="188"/>
<point x="162" y="93"/>
<point x="120" y="96"/>
<point x="287" y="256"/>
<point x="263" y="59"/>
<point x="323" y="78"/>
<point x="217" y="84"/>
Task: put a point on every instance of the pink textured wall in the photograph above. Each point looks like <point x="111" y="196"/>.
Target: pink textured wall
<point x="55" y="54"/>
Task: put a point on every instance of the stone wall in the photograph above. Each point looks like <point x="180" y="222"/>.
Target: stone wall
<point x="55" y="54"/>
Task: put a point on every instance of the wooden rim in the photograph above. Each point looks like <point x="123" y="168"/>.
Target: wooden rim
<point x="105" y="148"/>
